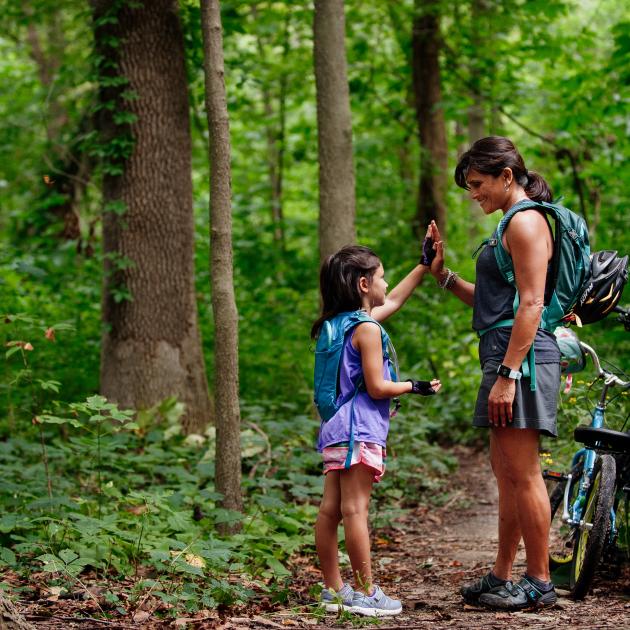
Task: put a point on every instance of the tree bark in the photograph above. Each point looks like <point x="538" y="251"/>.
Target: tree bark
<point x="228" y="420"/>
<point x="10" y="618"/>
<point x="476" y="113"/>
<point x="334" y="124"/>
<point x="151" y="344"/>
<point x="426" y="45"/>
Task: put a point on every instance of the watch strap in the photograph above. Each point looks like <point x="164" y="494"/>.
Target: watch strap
<point x="507" y="372"/>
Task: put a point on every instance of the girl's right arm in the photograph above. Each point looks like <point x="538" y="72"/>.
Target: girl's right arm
<point x="461" y="289"/>
<point x="367" y="340"/>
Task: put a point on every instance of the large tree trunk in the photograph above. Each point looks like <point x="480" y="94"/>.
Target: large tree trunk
<point x="336" y="170"/>
<point x="10" y="618"/>
<point x="476" y="113"/>
<point x="426" y="44"/>
<point x="151" y="343"/>
<point x="228" y="420"/>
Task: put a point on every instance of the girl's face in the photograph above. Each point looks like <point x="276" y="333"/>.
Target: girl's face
<point x="377" y="289"/>
<point x="490" y="191"/>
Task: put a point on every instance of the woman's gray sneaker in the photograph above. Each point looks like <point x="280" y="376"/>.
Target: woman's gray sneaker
<point x="375" y="605"/>
<point x="333" y="600"/>
<point x="472" y="592"/>
<point x="518" y="596"/>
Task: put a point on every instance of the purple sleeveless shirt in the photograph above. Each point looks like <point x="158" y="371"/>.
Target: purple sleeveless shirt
<point x="370" y="417"/>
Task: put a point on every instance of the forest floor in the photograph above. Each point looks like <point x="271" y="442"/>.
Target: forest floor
<point x="423" y="560"/>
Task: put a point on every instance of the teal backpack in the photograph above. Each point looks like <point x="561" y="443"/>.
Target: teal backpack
<point x="571" y="269"/>
<point x="328" y="351"/>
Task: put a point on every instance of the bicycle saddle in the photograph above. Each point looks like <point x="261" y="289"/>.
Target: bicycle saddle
<point x="603" y="439"/>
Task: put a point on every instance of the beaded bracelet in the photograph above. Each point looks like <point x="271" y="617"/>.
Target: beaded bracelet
<point x="449" y="281"/>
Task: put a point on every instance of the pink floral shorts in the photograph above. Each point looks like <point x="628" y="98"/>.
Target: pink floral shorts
<point x="367" y="453"/>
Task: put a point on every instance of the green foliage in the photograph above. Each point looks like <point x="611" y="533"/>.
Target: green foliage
<point x="90" y="490"/>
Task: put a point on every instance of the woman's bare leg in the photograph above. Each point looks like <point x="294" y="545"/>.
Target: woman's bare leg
<point x="509" y="525"/>
<point x="519" y="457"/>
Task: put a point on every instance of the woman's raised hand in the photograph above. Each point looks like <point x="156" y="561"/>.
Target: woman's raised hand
<point x="437" y="265"/>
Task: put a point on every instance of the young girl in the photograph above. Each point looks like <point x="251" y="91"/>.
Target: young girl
<point x="350" y="280"/>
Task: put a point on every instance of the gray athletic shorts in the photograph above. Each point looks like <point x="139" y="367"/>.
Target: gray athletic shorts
<point x="530" y="410"/>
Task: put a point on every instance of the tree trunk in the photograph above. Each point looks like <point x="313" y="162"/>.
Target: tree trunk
<point x="10" y="618"/>
<point x="228" y="420"/>
<point x="476" y="115"/>
<point x="151" y="344"/>
<point x="426" y="44"/>
<point x="334" y="137"/>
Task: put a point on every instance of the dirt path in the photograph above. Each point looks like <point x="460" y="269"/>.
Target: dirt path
<point x="425" y="561"/>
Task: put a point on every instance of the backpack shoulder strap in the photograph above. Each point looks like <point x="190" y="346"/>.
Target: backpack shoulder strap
<point x="504" y="260"/>
<point x="359" y="317"/>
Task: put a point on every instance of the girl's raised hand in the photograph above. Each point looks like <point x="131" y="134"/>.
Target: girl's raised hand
<point x="428" y="250"/>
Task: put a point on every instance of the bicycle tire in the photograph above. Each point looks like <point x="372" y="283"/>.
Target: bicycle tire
<point x="561" y="535"/>
<point x="589" y="544"/>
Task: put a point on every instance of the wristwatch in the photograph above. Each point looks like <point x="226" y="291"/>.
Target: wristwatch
<point x="504" y="370"/>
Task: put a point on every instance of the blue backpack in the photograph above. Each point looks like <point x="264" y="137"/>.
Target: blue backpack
<point x="328" y="355"/>
<point x="571" y="267"/>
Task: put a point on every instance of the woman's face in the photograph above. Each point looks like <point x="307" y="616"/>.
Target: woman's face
<point x="489" y="191"/>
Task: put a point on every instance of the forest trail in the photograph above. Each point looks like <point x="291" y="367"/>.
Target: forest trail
<point x="425" y="560"/>
<point x="422" y="560"/>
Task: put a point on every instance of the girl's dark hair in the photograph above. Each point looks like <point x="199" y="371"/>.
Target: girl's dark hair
<point x="490" y="156"/>
<point x="339" y="281"/>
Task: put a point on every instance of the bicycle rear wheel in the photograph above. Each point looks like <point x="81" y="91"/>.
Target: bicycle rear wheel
<point x="562" y="535"/>
<point x="595" y="527"/>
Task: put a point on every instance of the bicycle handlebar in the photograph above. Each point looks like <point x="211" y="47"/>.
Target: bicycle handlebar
<point x="609" y="377"/>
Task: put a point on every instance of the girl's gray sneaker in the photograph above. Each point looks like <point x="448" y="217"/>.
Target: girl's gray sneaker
<point x="375" y="605"/>
<point x="333" y="600"/>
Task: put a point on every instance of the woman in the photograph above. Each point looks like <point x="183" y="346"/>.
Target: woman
<point x="494" y="172"/>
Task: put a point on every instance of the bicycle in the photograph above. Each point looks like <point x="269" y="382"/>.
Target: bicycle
<point x="586" y="527"/>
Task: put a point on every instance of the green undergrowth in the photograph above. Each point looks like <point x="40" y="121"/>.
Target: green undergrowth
<point x="92" y="493"/>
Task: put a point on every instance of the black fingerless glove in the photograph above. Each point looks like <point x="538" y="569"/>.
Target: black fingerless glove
<point x="428" y="253"/>
<point x="423" y="388"/>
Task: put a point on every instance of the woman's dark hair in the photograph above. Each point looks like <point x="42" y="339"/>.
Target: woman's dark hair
<point x="339" y="281"/>
<point x="490" y="156"/>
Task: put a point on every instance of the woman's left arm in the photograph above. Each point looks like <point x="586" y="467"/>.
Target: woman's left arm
<point x="529" y="245"/>
<point x="400" y="293"/>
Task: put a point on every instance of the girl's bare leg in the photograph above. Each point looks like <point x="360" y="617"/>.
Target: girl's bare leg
<point x="326" y="525"/>
<point x="356" y="487"/>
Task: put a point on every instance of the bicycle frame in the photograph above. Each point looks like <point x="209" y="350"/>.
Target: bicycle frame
<point x="572" y="514"/>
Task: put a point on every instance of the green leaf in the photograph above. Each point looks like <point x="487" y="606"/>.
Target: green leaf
<point x="277" y="567"/>
<point x="7" y="556"/>
<point x="96" y="402"/>
<point x="12" y="351"/>
<point x="67" y="555"/>
<point x="52" y="564"/>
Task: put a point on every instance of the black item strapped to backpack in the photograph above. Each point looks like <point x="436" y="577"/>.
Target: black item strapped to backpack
<point x="586" y="287"/>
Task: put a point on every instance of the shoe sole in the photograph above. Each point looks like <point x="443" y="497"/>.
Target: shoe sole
<point x="375" y="612"/>
<point x="537" y="606"/>
<point x="336" y="607"/>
